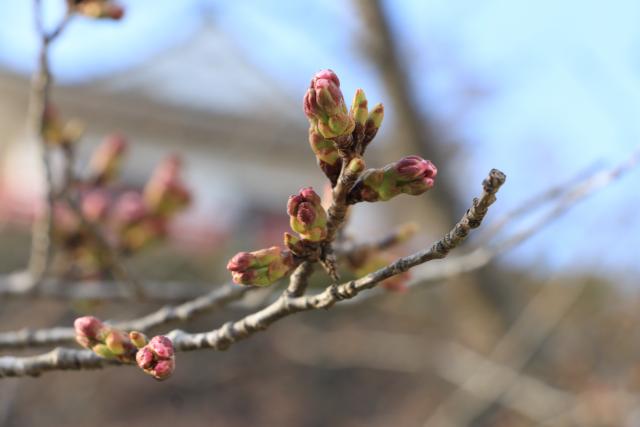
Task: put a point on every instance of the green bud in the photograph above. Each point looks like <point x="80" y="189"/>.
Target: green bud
<point x="356" y="165"/>
<point x="103" y="350"/>
<point x="359" y="112"/>
<point x="138" y="339"/>
<point x="373" y="123"/>
<point x="324" y="149"/>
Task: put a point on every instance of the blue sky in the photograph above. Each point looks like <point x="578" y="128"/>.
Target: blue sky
<point x="559" y="86"/>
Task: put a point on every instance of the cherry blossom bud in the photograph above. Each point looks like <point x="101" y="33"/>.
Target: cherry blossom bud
<point x="325" y="107"/>
<point x="157" y="358"/>
<point x="260" y="268"/>
<point x="359" y="112"/>
<point x="326" y="154"/>
<point x="410" y="175"/>
<point x="307" y="216"/>
<point x="104" y="340"/>
<point x="107" y="159"/>
<point x="356" y="165"/>
<point x="373" y="123"/>
<point x="138" y="339"/>
<point x="89" y="330"/>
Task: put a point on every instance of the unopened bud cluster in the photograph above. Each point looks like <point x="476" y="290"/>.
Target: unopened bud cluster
<point x="104" y="340"/>
<point x="130" y="219"/>
<point x="411" y="175"/>
<point x="261" y="268"/>
<point x="338" y="138"/>
<point x="155" y="357"/>
<point x="332" y="127"/>
<point x="308" y="219"/>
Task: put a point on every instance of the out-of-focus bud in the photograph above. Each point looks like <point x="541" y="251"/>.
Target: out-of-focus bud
<point x="129" y="209"/>
<point x="165" y="194"/>
<point x="107" y="159"/>
<point x="104" y="340"/>
<point x="72" y="131"/>
<point x="325" y="107"/>
<point x="95" y="205"/>
<point x="260" y="268"/>
<point x="157" y="358"/>
<point x="97" y="9"/>
<point x="307" y="216"/>
<point x="411" y="175"/>
<point x="135" y="226"/>
<point x="373" y="123"/>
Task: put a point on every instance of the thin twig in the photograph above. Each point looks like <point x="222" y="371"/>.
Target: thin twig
<point x="41" y="247"/>
<point x="207" y="303"/>
<point x="118" y="268"/>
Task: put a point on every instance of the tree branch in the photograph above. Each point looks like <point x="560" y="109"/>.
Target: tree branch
<point x="285" y="305"/>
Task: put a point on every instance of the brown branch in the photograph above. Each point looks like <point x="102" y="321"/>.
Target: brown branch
<point x="229" y="333"/>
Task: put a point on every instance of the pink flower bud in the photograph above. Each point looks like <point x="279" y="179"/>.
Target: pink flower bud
<point x="324" y="105"/>
<point x="411" y="175"/>
<point x="144" y="358"/>
<point x="89" y="328"/>
<point x="307" y="216"/>
<point x="240" y="261"/>
<point x="157" y="358"/>
<point x="414" y="168"/>
<point x="164" y="369"/>
<point x="161" y="346"/>
<point x="261" y="267"/>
